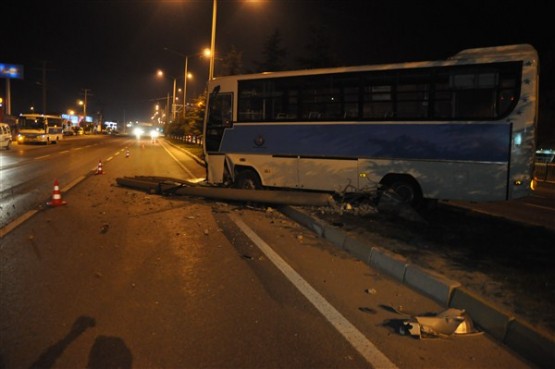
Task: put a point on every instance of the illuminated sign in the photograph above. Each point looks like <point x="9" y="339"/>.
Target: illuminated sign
<point x="11" y="71"/>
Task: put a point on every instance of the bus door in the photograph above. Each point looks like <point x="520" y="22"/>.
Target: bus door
<point x="219" y="118"/>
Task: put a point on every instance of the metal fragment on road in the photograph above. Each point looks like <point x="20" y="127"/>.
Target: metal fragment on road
<point x="446" y="323"/>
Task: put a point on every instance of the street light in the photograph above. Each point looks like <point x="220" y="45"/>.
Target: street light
<point x="161" y="74"/>
<point x="186" y="74"/>
<point x="84" y="105"/>
<point x="213" y="40"/>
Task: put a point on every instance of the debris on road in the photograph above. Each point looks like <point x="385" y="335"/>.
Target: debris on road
<point x="444" y="324"/>
<point x="371" y="291"/>
<point x="367" y="310"/>
<point x="350" y="202"/>
<point x="104" y="228"/>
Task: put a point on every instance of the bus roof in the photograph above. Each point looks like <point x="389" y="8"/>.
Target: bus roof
<point x="487" y="54"/>
<point x="513" y="50"/>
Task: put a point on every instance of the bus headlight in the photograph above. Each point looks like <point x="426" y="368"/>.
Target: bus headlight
<point x="533" y="184"/>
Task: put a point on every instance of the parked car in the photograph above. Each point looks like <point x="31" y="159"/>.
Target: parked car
<point x="5" y="136"/>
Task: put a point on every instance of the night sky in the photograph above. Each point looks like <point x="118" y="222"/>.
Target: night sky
<point x="113" y="48"/>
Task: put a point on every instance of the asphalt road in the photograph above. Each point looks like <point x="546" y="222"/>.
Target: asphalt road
<point x="538" y="209"/>
<point x="121" y="278"/>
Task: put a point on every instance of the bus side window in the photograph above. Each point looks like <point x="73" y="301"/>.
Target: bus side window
<point x="220" y="111"/>
<point x="507" y="97"/>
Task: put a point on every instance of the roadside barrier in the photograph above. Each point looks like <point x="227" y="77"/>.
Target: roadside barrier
<point x="544" y="171"/>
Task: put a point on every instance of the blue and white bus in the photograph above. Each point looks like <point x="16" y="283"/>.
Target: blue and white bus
<point x="39" y="128"/>
<point x="461" y="129"/>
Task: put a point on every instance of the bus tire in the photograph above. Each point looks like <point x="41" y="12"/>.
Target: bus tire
<point x="247" y="179"/>
<point x="406" y="188"/>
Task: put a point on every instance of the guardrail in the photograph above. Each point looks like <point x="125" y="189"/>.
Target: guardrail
<point x="192" y="139"/>
<point x="544" y="171"/>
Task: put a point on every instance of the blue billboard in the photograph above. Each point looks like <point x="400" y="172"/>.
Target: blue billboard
<point x="11" y="71"/>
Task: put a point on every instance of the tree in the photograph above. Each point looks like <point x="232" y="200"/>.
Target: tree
<point x="191" y="124"/>
<point x="195" y="116"/>
<point x="318" y="50"/>
<point x="232" y="62"/>
<point x="274" y="54"/>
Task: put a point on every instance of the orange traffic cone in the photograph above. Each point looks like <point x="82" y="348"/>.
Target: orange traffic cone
<point x="99" y="168"/>
<point x="127" y="153"/>
<point x="56" y="196"/>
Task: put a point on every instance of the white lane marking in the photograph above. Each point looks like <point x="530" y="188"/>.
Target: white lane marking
<point x="537" y="206"/>
<point x="10" y="227"/>
<point x="72" y="184"/>
<point x="42" y="157"/>
<point x="178" y="162"/>
<point x="366" y="348"/>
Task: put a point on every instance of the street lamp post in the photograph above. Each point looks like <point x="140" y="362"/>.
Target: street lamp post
<point x="173" y="100"/>
<point x="161" y="74"/>
<point x="213" y="40"/>
<point x="185" y="75"/>
<point x="167" y="108"/>
<point x="84" y="120"/>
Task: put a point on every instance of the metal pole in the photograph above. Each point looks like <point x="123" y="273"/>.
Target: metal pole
<point x="213" y="42"/>
<point x="168" y="108"/>
<point x="8" y="97"/>
<point x="185" y="87"/>
<point x="85" y="107"/>
<point x="44" y="87"/>
<point x="173" y="101"/>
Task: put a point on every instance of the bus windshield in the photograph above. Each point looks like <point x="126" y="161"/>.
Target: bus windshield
<point x="39" y="122"/>
<point x="32" y="123"/>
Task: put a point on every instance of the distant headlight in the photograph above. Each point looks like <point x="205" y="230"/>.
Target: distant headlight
<point x="138" y="131"/>
<point x="154" y="133"/>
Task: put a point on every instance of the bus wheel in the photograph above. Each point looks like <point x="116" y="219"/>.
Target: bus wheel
<point x="248" y="180"/>
<point x="407" y="189"/>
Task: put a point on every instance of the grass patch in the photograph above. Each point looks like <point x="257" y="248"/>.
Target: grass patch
<point x="192" y="148"/>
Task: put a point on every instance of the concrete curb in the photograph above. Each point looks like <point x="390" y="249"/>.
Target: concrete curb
<point x="517" y="334"/>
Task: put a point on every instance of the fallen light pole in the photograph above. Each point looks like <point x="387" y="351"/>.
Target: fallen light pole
<point x="170" y="186"/>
